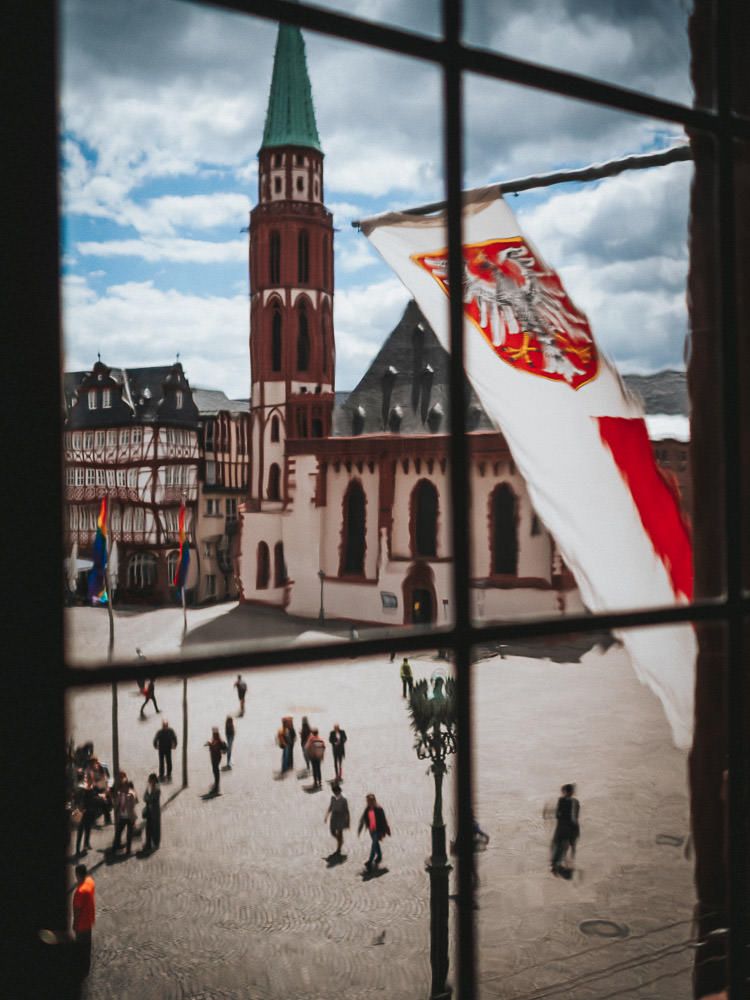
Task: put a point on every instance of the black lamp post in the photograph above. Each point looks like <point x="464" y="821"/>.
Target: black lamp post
<point x="321" y="614"/>
<point x="433" y="718"/>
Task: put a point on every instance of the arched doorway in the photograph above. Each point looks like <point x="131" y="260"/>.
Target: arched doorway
<point x="420" y="601"/>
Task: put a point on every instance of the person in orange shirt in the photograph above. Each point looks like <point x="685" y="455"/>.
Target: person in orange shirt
<point x="84" y="915"/>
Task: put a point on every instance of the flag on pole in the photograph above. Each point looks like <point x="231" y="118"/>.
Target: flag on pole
<point x="183" y="560"/>
<point x="575" y="432"/>
<point x="97" y="588"/>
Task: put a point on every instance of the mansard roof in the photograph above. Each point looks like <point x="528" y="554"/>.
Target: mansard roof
<point x="140" y="395"/>
<point x="406" y="389"/>
<point x="290" y="118"/>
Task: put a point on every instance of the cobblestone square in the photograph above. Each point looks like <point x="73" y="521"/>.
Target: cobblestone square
<point x="239" y="902"/>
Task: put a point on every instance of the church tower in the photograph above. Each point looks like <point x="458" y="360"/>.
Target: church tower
<point x="292" y="354"/>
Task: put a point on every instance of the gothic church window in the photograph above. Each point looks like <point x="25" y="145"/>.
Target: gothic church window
<point x="504" y="531"/>
<point x="303" y="257"/>
<point x="274" y="482"/>
<point x="303" y="340"/>
<point x="279" y="565"/>
<point x="424" y="515"/>
<point x="276" y="338"/>
<point x="263" y="570"/>
<point x="274" y="428"/>
<point x="274" y="258"/>
<point x="353" y="530"/>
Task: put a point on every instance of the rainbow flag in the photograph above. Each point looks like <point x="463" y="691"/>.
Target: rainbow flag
<point x="180" y="573"/>
<point x="97" y="580"/>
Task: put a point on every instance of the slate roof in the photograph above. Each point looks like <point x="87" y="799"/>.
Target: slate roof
<point x="406" y="388"/>
<point x="212" y="401"/>
<point x="290" y="118"/>
<point x="663" y="392"/>
<point x="398" y="378"/>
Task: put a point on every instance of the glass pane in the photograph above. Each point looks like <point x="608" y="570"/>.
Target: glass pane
<point x="237" y="877"/>
<point x="302" y="501"/>
<point x="576" y="768"/>
<point x="422" y="16"/>
<point x="573" y="286"/>
<point x="642" y="47"/>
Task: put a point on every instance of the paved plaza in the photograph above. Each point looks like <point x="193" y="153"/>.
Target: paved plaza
<point x="239" y="902"/>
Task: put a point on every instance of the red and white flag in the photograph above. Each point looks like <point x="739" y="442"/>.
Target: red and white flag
<point x="575" y="432"/>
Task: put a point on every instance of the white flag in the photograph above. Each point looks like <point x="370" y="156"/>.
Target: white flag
<point x="576" y="434"/>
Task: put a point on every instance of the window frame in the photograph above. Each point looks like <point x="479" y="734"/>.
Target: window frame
<point x="37" y="265"/>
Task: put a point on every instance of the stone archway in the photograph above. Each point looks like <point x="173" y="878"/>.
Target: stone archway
<point x="420" y="599"/>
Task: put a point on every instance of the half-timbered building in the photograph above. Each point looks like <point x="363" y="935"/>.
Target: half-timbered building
<point x="131" y="435"/>
<point x="222" y="487"/>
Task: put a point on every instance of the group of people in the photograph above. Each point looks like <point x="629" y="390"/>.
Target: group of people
<point x="218" y="747"/>
<point x="313" y="748"/>
<point x="373" y="819"/>
<point x="94" y="796"/>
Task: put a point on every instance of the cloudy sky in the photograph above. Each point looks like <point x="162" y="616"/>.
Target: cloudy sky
<point x="163" y="105"/>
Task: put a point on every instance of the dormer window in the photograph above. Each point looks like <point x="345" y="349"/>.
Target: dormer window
<point x="92" y="399"/>
<point x="178" y="399"/>
<point x="106" y="399"/>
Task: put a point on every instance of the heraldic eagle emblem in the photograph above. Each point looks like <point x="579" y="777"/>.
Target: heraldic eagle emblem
<point x="522" y="310"/>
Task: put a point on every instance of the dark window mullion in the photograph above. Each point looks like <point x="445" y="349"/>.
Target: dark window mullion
<point x="492" y="64"/>
<point x="460" y="498"/>
<point x="733" y="514"/>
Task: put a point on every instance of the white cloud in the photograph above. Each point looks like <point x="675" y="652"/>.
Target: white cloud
<point x="137" y="324"/>
<point x="621" y="251"/>
<point x="363" y="318"/>
<point x="170" y="248"/>
<point x="354" y="254"/>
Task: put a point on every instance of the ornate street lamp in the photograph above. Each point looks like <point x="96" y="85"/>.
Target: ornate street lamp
<point x="433" y="718"/>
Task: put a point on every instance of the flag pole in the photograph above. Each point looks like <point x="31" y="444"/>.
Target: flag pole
<point x="593" y="172"/>
<point x="184" y="680"/>
<point x="110" y="652"/>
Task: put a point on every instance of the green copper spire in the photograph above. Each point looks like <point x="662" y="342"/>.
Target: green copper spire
<point x="290" y="119"/>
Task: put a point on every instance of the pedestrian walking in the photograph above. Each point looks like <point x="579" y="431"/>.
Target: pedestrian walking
<point x="141" y="660"/>
<point x="229" y="736"/>
<point x="316" y="748"/>
<point x="304" y="736"/>
<point x="97" y="777"/>
<point x="241" y="692"/>
<point x="291" y="739"/>
<point x="407" y="678"/>
<point x="85" y="802"/>
<point x="374" y="819"/>
<point x="567" y="831"/>
<point x="149" y="694"/>
<point x="165" y="742"/>
<point x="338" y="810"/>
<point x="84" y="917"/>
<point x="216" y="747"/>
<point x="125" y="803"/>
<point x="337" y="740"/>
<point x="152" y="814"/>
<point x="281" y="744"/>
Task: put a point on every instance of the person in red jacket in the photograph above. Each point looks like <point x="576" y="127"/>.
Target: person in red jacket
<point x="377" y="826"/>
<point x="84" y="915"/>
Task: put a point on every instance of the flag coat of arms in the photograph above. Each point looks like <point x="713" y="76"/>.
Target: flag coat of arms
<point x="575" y="432"/>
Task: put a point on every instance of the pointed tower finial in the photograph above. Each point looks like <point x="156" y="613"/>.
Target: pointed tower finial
<point x="290" y="118"/>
